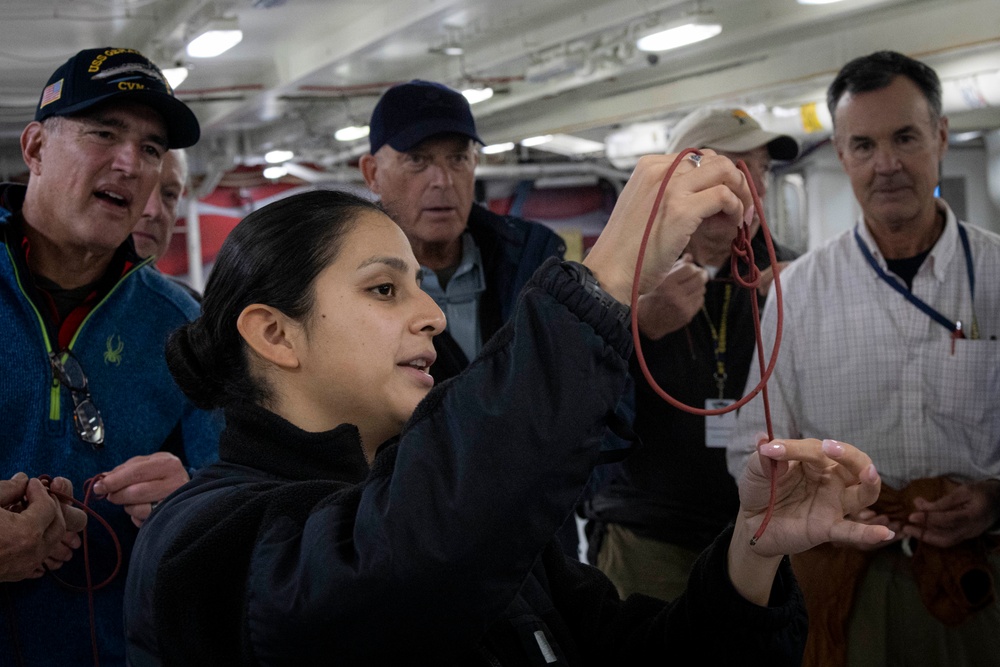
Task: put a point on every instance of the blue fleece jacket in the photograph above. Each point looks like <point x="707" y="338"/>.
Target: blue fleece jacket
<point x="120" y="348"/>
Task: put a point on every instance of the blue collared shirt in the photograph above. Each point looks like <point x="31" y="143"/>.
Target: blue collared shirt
<point x="460" y="299"/>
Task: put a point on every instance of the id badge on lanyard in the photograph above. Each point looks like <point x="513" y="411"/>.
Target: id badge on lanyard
<point x="719" y="429"/>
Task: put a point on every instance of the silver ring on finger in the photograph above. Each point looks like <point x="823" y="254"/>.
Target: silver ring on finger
<point x="696" y="158"/>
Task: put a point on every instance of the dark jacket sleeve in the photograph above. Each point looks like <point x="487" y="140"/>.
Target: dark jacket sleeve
<point x="454" y="515"/>
<point x="710" y="624"/>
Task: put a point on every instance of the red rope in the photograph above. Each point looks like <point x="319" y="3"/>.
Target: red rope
<point x="90" y="587"/>
<point x="741" y="251"/>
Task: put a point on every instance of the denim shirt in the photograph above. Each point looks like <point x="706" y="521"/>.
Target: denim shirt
<point x="460" y="299"/>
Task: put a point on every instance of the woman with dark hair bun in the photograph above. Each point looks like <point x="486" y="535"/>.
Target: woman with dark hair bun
<point x="359" y="515"/>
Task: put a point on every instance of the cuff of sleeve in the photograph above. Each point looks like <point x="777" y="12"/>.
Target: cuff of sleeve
<point x="785" y="606"/>
<point x="553" y="278"/>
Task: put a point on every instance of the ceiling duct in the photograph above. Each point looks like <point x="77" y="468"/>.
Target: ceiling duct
<point x="561" y="64"/>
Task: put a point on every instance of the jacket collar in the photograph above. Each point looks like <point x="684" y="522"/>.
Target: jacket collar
<point x="261" y="439"/>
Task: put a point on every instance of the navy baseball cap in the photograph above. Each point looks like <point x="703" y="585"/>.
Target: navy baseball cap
<point x="411" y="112"/>
<point x="94" y="76"/>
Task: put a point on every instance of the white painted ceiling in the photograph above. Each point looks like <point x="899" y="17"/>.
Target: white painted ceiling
<point x="308" y="67"/>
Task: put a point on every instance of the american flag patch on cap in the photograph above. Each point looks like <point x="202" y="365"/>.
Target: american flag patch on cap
<point x="51" y="93"/>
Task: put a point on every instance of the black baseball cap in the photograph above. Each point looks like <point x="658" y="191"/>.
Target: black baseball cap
<point x="94" y="76"/>
<point x="411" y="112"/>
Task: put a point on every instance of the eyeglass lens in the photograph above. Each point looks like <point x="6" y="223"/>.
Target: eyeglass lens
<point x="89" y="425"/>
<point x="70" y="372"/>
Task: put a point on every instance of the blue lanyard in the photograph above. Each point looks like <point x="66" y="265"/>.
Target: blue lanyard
<point x="954" y="327"/>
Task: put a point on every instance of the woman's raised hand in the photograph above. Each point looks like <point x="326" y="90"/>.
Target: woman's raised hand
<point x="714" y="192"/>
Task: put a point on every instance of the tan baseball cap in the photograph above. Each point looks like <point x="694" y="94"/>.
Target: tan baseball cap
<point x="731" y="130"/>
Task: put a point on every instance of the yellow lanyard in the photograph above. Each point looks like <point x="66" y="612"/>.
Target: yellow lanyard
<point x="719" y="338"/>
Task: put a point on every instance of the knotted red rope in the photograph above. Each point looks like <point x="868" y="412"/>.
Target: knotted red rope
<point x="741" y="252"/>
<point x="90" y="586"/>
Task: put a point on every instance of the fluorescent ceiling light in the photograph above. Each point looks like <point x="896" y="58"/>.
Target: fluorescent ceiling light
<point x="215" y="39"/>
<point x="351" y="133"/>
<point x="175" y="75"/>
<point x="569" y="145"/>
<point x="498" y="148"/>
<point x="692" y="30"/>
<point x="453" y="50"/>
<point x="962" y="137"/>
<point x="276" y="157"/>
<point x="785" y="112"/>
<point x="275" y="173"/>
<point x="477" y="95"/>
<point x="537" y="141"/>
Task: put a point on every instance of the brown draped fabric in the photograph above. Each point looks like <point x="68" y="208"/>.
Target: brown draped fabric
<point x="954" y="583"/>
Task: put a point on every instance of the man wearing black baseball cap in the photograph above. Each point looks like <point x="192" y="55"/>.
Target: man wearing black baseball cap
<point x="422" y="165"/>
<point x="87" y="391"/>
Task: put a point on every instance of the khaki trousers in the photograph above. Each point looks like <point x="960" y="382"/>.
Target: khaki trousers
<point x="642" y="565"/>
<point x="890" y="627"/>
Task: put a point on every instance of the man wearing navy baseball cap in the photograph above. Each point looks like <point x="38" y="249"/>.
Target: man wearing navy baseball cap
<point x="422" y="165"/>
<point x="87" y="393"/>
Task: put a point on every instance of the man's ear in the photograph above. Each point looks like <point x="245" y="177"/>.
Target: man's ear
<point x="942" y="132"/>
<point x="369" y="166"/>
<point x="271" y="334"/>
<point x="837" y="147"/>
<point x="32" y="139"/>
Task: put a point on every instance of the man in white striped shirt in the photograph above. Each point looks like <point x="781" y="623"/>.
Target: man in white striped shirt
<point x="890" y="342"/>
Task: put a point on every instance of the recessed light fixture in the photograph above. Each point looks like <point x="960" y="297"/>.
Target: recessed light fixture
<point x="274" y="173"/>
<point x="278" y="156"/>
<point x="536" y="141"/>
<point x="477" y="95"/>
<point x="215" y="38"/>
<point x="963" y="137"/>
<point x="498" y="148"/>
<point x="175" y="75"/>
<point x="351" y="133"/>
<point x="679" y="33"/>
<point x="569" y="145"/>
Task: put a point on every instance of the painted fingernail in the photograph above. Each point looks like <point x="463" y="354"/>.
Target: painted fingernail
<point x="773" y="448"/>
<point x="748" y="214"/>
<point x="832" y="447"/>
<point x="892" y="535"/>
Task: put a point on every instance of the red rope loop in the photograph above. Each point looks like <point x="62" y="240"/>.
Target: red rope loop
<point x="741" y="252"/>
